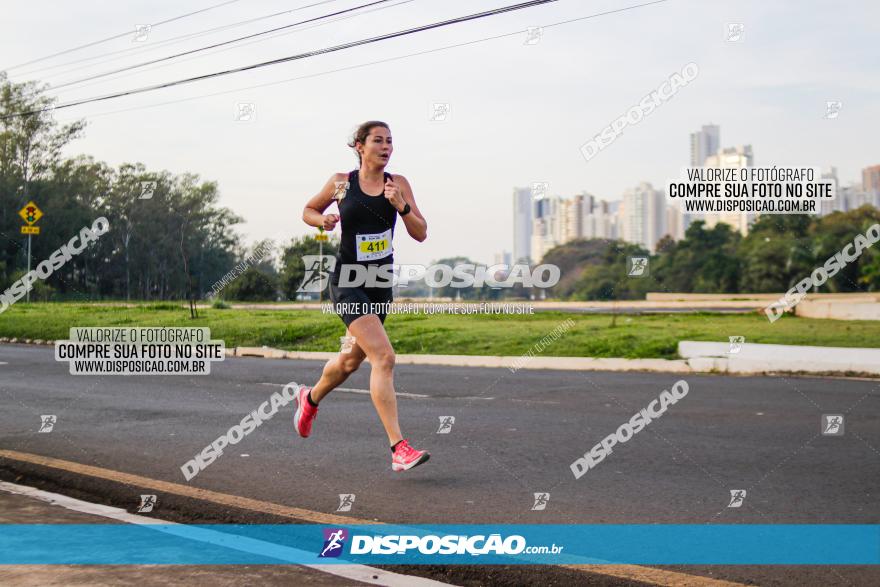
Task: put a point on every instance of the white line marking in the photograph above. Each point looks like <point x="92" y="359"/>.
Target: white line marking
<point x="398" y="393"/>
<point x="353" y="572"/>
<point x="362" y="391"/>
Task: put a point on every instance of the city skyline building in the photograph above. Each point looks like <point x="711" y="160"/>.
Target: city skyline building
<point x="705" y="143"/>
<point x="871" y="179"/>
<point x="643" y="212"/>
<point x="732" y="157"/>
<point x="643" y="215"/>
<point x="522" y="223"/>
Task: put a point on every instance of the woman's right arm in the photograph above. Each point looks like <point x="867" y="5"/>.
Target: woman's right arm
<point x="313" y="213"/>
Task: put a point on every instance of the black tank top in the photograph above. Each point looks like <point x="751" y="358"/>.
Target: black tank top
<point x="367" y="227"/>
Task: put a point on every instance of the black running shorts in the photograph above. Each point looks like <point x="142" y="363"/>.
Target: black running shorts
<point x="351" y="303"/>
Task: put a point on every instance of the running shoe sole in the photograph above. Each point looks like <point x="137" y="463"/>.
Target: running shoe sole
<point x="423" y="459"/>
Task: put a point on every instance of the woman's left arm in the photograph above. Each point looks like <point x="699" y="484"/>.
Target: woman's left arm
<point x="399" y="193"/>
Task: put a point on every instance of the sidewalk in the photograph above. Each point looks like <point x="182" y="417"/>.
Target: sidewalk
<point x="25" y="505"/>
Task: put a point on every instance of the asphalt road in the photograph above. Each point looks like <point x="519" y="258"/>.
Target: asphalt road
<point x="514" y="434"/>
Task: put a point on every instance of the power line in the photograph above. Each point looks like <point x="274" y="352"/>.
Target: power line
<point x="120" y="35"/>
<point x="335" y="48"/>
<point x="347" y="17"/>
<point x="215" y="45"/>
<point x="171" y="41"/>
<point x="389" y="59"/>
<point x="341" y="18"/>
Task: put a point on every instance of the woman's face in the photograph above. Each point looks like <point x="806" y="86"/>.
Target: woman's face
<point x="377" y="149"/>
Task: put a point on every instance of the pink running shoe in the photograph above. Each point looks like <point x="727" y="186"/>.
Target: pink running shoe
<point x="406" y="457"/>
<point x="305" y="413"/>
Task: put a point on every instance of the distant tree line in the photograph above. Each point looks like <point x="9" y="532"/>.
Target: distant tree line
<point x="169" y="238"/>
<point x="778" y="251"/>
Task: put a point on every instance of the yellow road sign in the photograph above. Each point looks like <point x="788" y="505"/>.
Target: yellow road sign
<point x="30" y="230"/>
<point x="30" y="213"/>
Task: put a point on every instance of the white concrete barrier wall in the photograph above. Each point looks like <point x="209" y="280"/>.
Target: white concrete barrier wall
<point x="838" y="310"/>
<point x="848" y="297"/>
<point x="756" y="358"/>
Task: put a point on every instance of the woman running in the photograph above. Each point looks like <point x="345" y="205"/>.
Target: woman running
<point x="369" y="204"/>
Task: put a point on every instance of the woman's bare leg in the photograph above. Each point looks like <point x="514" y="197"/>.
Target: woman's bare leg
<point x="337" y="370"/>
<point x="371" y="337"/>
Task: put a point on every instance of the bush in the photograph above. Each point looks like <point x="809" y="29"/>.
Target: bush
<point x="253" y="286"/>
<point x="163" y="306"/>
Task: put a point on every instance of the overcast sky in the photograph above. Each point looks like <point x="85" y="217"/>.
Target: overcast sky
<point x="519" y="112"/>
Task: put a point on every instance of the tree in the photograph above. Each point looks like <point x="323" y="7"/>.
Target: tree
<point x="832" y="233"/>
<point x="573" y="259"/>
<point x="172" y="245"/>
<point x="293" y="269"/>
<point x="776" y="253"/>
<point x="30" y="146"/>
<point x="609" y="279"/>
<point x="704" y="261"/>
<point x="253" y="285"/>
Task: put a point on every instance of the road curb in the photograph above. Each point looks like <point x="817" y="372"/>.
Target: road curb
<point x="14" y="340"/>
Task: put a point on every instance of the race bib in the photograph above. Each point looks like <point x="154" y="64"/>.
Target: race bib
<point x="373" y="246"/>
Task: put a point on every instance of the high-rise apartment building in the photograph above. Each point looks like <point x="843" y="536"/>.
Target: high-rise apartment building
<point x="871" y="179"/>
<point x="643" y="215"/>
<point x="523" y="215"/>
<point x="732" y="157"/>
<point x="705" y="143"/>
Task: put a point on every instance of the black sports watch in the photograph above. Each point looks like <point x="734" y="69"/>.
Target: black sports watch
<point x="405" y="210"/>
